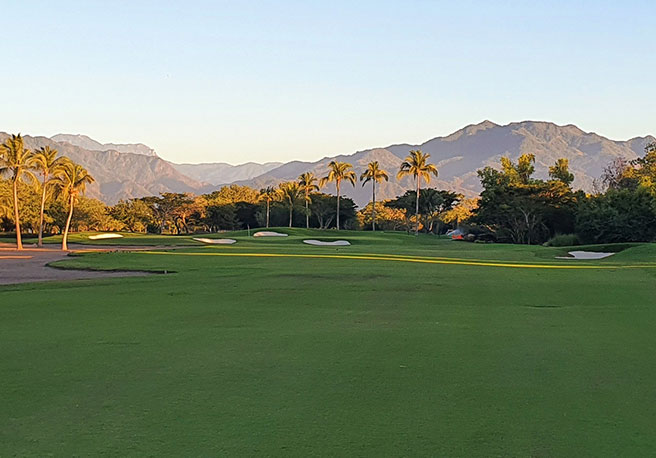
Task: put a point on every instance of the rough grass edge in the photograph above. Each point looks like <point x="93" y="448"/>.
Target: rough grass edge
<point x="563" y="240"/>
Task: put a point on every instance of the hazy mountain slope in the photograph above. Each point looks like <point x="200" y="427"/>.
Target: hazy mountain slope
<point x="221" y="173"/>
<point x="121" y="175"/>
<point x="462" y="153"/>
<point x="213" y="173"/>
<point x="474" y="147"/>
<point x="92" y="145"/>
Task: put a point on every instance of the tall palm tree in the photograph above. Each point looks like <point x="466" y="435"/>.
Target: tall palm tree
<point x="308" y="182"/>
<point x="268" y="195"/>
<point x="416" y="165"/>
<point x="338" y="172"/>
<point x="290" y="192"/>
<point x="49" y="166"/>
<point x="15" y="161"/>
<point x="71" y="183"/>
<point x="374" y="174"/>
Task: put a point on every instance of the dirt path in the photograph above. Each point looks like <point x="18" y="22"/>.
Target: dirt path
<point x="29" y="265"/>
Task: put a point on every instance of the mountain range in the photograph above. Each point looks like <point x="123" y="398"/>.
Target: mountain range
<point x="458" y="156"/>
<point x="124" y="171"/>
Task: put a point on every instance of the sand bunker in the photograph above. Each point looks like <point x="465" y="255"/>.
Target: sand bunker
<point x="105" y="236"/>
<point x="320" y="243"/>
<point x="216" y="241"/>
<point x="269" y="234"/>
<point x="585" y="255"/>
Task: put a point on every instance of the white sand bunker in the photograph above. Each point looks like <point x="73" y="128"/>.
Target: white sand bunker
<point x="333" y="243"/>
<point x="105" y="236"/>
<point x="585" y="255"/>
<point x="216" y="241"/>
<point x="269" y="234"/>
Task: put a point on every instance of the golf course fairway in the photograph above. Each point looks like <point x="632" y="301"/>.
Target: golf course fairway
<point x="272" y="347"/>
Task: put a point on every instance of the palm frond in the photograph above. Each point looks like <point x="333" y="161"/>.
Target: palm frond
<point x="339" y="171"/>
<point x="416" y="165"/>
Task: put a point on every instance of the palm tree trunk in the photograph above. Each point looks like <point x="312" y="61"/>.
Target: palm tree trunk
<point x="267" y="221"/>
<point x="337" y="185"/>
<point x="417" y="209"/>
<point x="43" y="206"/>
<point x="291" y="214"/>
<point x="68" y="225"/>
<point x="19" y="240"/>
<point x="373" y="209"/>
<point x="307" y="212"/>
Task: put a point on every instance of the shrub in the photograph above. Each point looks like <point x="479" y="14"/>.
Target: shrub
<point x="618" y="216"/>
<point x="563" y="240"/>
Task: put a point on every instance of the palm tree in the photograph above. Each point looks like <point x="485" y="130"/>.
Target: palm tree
<point x="49" y="166"/>
<point x="374" y="174"/>
<point x="416" y="165"/>
<point x="308" y="182"/>
<point x="71" y="183"/>
<point x="290" y="192"/>
<point x="15" y="161"/>
<point x="268" y="195"/>
<point x="337" y="172"/>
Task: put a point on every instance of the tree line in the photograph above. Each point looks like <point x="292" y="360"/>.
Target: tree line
<point x="43" y="193"/>
<point x="55" y="178"/>
<point x="518" y="208"/>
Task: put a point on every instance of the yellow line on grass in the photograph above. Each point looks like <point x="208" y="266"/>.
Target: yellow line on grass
<point x="579" y="262"/>
<point x="389" y="258"/>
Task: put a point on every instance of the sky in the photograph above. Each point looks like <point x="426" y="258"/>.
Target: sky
<point x="282" y="80"/>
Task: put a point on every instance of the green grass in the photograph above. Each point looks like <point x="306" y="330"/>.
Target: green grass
<point x="128" y="239"/>
<point x="311" y="356"/>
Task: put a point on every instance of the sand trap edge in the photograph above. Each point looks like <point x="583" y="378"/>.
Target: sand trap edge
<point x="215" y="241"/>
<point x="585" y="255"/>
<point x="105" y="236"/>
<point x="269" y="234"/>
<point x="320" y="243"/>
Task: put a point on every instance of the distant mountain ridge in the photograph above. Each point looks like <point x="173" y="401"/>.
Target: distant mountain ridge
<point x="218" y="173"/>
<point x="92" y="145"/>
<point x="137" y="171"/>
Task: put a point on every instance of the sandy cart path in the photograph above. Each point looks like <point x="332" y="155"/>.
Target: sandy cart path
<point x="29" y="265"/>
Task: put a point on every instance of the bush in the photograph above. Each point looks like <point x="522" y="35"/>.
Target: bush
<point x="563" y="240"/>
<point x="617" y="216"/>
<point x="481" y="233"/>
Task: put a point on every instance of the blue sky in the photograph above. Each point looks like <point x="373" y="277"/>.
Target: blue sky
<point x="264" y="81"/>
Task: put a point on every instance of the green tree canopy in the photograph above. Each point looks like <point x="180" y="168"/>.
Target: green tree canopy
<point x="560" y="172"/>
<point x="515" y="207"/>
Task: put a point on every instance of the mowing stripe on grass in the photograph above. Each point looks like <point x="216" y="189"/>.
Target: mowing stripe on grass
<point x="387" y="258"/>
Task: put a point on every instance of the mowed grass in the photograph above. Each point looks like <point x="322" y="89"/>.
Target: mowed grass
<point x="291" y="356"/>
<point x="128" y="239"/>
